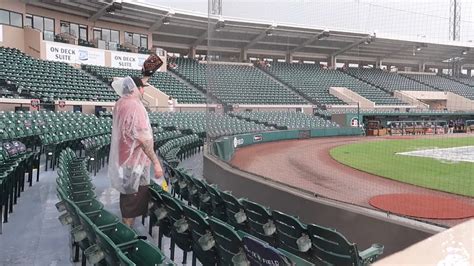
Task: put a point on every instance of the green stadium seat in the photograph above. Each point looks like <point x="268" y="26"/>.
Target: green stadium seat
<point x="292" y="235"/>
<point x="228" y="243"/>
<point x="260" y="221"/>
<point x="331" y="247"/>
<point x="235" y="211"/>
<point x="200" y="229"/>
<point x="179" y="236"/>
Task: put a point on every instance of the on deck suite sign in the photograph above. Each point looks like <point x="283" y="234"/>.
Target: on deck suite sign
<point x="74" y="54"/>
<point x="127" y="60"/>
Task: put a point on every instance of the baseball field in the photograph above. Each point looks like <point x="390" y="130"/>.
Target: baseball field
<point x="445" y="164"/>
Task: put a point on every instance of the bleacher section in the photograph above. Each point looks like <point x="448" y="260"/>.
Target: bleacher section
<point x="235" y="84"/>
<point x="47" y="80"/>
<point x="193" y="209"/>
<point x="464" y="80"/>
<point x="198" y="217"/>
<point x="216" y="225"/>
<point x="388" y="81"/>
<point x="314" y="82"/>
<point x="94" y="230"/>
<point x="25" y="136"/>
<point x="412" y="112"/>
<point x="215" y="125"/>
<point x="160" y="80"/>
<point x="286" y="120"/>
<point x="444" y="84"/>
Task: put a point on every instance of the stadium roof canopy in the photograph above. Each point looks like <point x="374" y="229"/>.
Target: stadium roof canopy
<point x="178" y="30"/>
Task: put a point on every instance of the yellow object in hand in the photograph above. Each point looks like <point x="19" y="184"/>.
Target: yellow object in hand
<point x="164" y="185"/>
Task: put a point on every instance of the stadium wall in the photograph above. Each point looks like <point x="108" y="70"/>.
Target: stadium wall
<point x="351" y="97"/>
<point x="225" y="147"/>
<point x="454" y="102"/>
<point x="359" y="225"/>
<point x="12" y="37"/>
<point x="33" y="42"/>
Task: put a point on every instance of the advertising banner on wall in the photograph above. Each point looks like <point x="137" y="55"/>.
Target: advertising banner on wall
<point x="1" y="33"/>
<point x="74" y="54"/>
<point x="127" y="60"/>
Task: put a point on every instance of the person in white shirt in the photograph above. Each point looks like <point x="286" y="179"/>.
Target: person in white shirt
<point x="171" y="104"/>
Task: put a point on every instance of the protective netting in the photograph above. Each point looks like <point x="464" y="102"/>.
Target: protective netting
<point x="378" y="73"/>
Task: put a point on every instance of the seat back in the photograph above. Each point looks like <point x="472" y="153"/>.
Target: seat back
<point x="228" y="242"/>
<point x="331" y="246"/>
<point x="158" y="209"/>
<point x="144" y="253"/>
<point x="259" y="217"/>
<point x="218" y="205"/>
<point x="110" y="249"/>
<point x="177" y="219"/>
<point x="205" y="201"/>
<point x="120" y="234"/>
<point x="199" y="227"/>
<point x="289" y="230"/>
<point x="175" y="211"/>
<point x="233" y="207"/>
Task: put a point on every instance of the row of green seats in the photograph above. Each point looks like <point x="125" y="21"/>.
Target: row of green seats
<point x="103" y="239"/>
<point x="303" y="244"/>
<point x="286" y="120"/>
<point x="16" y="160"/>
<point x="226" y="83"/>
<point x="160" y="80"/>
<point x="50" y="80"/>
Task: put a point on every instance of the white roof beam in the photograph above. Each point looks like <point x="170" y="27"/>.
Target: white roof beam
<point x="156" y="25"/>
<point x="201" y="38"/>
<point x="350" y="46"/>
<point x="159" y="22"/>
<point x="258" y="38"/>
<point x="309" y="41"/>
<point x="99" y="13"/>
<point x="304" y="44"/>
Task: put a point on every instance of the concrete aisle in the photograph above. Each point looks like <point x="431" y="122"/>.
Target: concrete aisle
<point x="34" y="235"/>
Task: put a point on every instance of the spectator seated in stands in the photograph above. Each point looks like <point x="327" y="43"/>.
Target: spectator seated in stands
<point x="172" y="65"/>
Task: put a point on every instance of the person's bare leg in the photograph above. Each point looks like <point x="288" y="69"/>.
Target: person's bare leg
<point x="128" y="221"/>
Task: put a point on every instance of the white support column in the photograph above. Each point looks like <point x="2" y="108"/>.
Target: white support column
<point x="378" y="63"/>
<point x="243" y="55"/>
<point x="421" y="67"/>
<point x="289" y="58"/>
<point x="332" y="62"/>
<point x="192" y="52"/>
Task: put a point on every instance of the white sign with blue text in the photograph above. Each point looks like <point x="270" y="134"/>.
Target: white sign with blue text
<point x="73" y="54"/>
<point x="127" y="60"/>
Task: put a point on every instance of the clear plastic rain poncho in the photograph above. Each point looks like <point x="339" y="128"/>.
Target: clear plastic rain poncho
<point x="129" y="166"/>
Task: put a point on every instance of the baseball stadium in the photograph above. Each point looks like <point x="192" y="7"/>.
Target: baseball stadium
<point x="230" y="132"/>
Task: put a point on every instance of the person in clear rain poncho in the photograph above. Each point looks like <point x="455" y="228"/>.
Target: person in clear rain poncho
<point x="131" y="150"/>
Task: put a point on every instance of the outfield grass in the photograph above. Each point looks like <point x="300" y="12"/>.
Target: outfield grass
<point x="380" y="158"/>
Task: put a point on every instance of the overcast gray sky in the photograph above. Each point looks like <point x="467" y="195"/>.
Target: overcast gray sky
<point x="399" y="17"/>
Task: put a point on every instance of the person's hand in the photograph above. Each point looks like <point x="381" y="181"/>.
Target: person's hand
<point x="158" y="170"/>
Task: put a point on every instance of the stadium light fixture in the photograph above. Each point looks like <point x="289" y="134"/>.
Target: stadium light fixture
<point x="113" y="7"/>
<point x="220" y="25"/>
<point x="372" y="37"/>
<point x="269" y="30"/>
<point x="323" y="34"/>
<point x="167" y="18"/>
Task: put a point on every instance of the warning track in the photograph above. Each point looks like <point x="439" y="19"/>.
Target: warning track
<point x="307" y="165"/>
